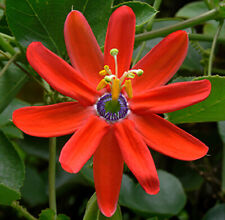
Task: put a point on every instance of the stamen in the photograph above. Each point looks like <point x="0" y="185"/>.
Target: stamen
<point x="102" y="84"/>
<point x="130" y="75"/>
<point x="139" y="72"/>
<point x="114" y="53"/>
<point x="109" y="79"/>
<point x="128" y="88"/>
<point x="106" y="68"/>
<point x="115" y="89"/>
<point x="102" y="72"/>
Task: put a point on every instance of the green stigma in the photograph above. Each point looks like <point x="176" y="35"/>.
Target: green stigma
<point x="112" y="106"/>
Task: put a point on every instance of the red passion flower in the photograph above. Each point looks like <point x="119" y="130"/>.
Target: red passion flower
<point x="113" y="120"/>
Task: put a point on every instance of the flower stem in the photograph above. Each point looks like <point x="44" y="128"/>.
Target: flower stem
<point x="22" y="211"/>
<point x="157" y="4"/>
<point x="181" y="25"/>
<point x="202" y="37"/>
<point x="213" y="48"/>
<point x="6" y="36"/>
<point x="51" y="174"/>
<point x="6" y="45"/>
<point x="12" y="59"/>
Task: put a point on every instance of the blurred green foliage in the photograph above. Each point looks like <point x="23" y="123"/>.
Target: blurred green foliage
<point x="189" y="190"/>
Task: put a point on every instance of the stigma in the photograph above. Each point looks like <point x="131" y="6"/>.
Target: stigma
<point x="115" y="83"/>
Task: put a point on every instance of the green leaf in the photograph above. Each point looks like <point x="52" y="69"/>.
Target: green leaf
<point x="163" y="203"/>
<point x="215" y="213"/>
<point x="12" y="132"/>
<point x="210" y="29"/>
<point x="34" y="195"/>
<point x="92" y="211"/>
<point x="192" y="9"/>
<point x="211" y="109"/>
<point x="39" y="21"/>
<point x="7" y="195"/>
<point x="134" y="197"/>
<point x="11" y="172"/>
<point x="44" y="20"/>
<point x="192" y="62"/>
<point x="47" y="214"/>
<point x="97" y="13"/>
<point x="190" y="179"/>
<point x="10" y="84"/>
<point x="6" y="115"/>
<point x="143" y="11"/>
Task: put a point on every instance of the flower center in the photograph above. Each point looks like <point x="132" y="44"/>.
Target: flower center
<point x="112" y="110"/>
<point x="115" y="82"/>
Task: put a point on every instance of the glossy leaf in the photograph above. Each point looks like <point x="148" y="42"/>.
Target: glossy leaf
<point x="97" y="15"/>
<point x="12" y="132"/>
<point x="143" y="11"/>
<point x="190" y="178"/>
<point x="6" y="115"/>
<point x="192" y="9"/>
<point x="93" y="213"/>
<point x="11" y="172"/>
<point x="163" y="203"/>
<point x="40" y="20"/>
<point x="10" y="84"/>
<point x="215" y="213"/>
<point x="134" y="197"/>
<point x="211" y="109"/>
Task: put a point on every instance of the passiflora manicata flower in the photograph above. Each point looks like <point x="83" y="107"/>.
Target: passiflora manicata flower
<point x="115" y="116"/>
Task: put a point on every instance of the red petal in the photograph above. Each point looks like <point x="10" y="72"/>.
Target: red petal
<point x="171" y="97"/>
<point x="137" y="156"/>
<point x="50" y="120"/>
<point x="78" y="150"/>
<point x="82" y="47"/>
<point x="120" y="35"/>
<point x="168" y="139"/>
<point x="59" y="74"/>
<point x="162" y="62"/>
<point x="108" y="171"/>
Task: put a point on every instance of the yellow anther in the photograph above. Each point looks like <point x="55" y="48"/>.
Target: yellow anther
<point x="106" y="67"/>
<point x="108" y="71"/>
<point x="102" y="84"/>
<point x="131" y="75"/>
<point x="102" y="73"/>
<point x="128" y="88"/>
<point x="115" y="89"/>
